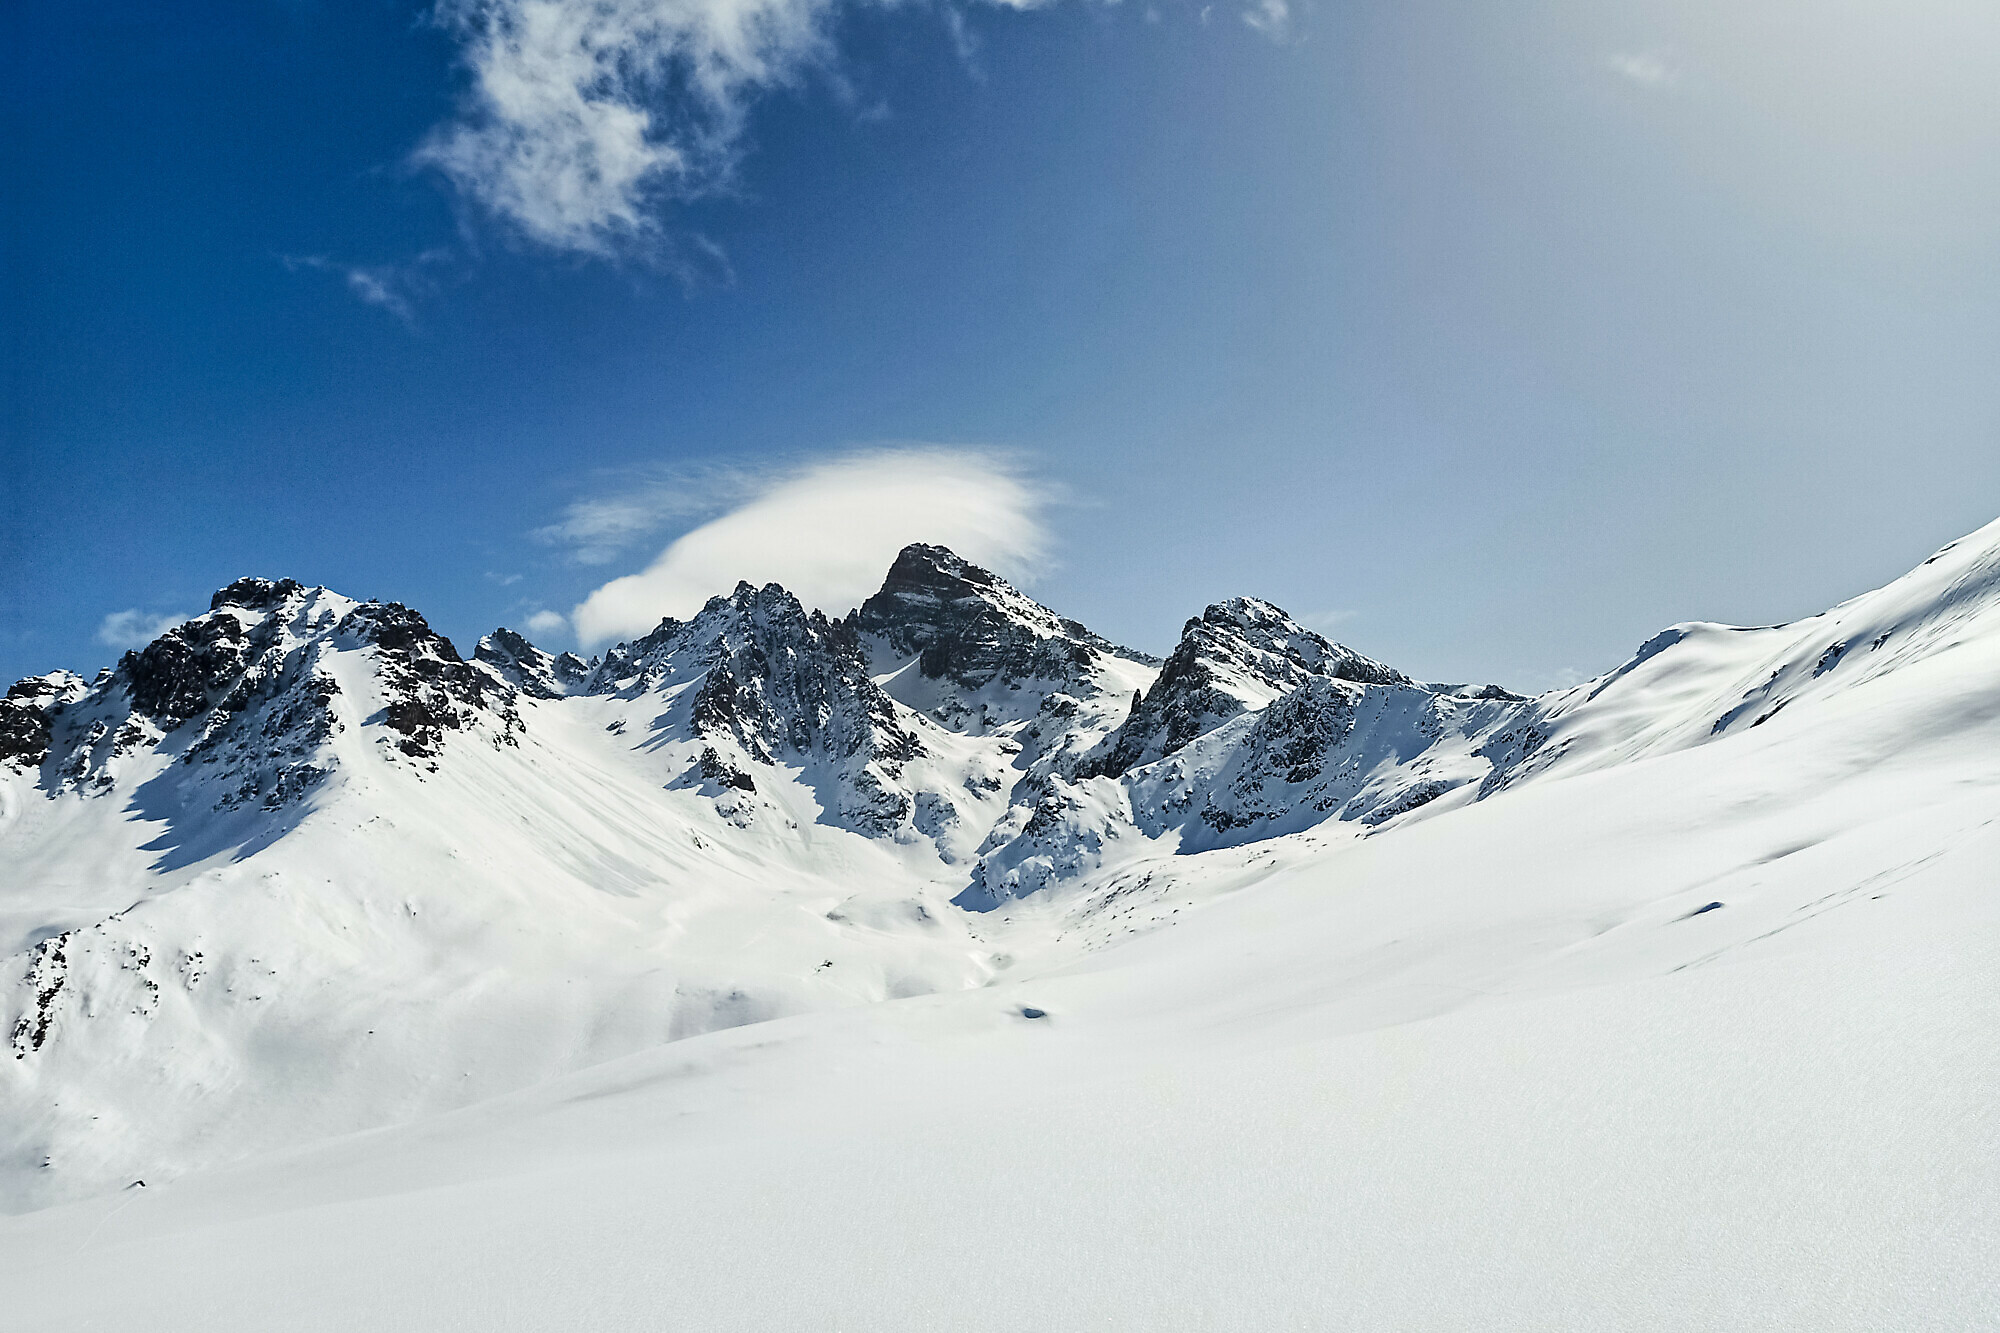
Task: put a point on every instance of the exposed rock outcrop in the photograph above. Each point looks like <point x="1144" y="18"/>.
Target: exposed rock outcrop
<point x="27" y="714"/>
<point x="780" y="684"/>
<point x="534" y="672"/>
<point x="1235" y="657"/>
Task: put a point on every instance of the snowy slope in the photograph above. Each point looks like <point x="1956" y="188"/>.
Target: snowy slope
<point x="1494" y="1069"/>
<point x="199" y="975"/>
<point x="1695" y="683"/>
<point x="1668" y="992"/>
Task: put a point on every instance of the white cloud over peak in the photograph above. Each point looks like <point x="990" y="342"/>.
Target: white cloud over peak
<point x="134" y="628"/>
<point x="828" y="532"/>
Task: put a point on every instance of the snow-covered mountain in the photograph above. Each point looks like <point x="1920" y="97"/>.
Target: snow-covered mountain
<point x="297" y="868"/>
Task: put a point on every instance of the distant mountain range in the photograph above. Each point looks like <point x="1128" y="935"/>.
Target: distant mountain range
<point x="300" y="867"/>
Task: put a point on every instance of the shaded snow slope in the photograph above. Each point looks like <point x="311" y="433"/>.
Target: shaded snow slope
<point x="297" y="869"/>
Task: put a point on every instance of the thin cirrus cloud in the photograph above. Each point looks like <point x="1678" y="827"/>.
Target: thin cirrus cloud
<point x="134" y="628"/>
<point x="1325" y="622"/>
<point x="828" y="533"/>
<point x="583" y="117"/>
<point x="1273" y="18"/>
<point x="391" y="287"/>
<point x="1648" y="69"/>
<point x="603" y="528"/>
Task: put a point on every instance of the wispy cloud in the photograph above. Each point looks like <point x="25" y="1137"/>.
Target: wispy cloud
<point x="829" y="531"/>
<point x="1542" y="680"/>
<point x="1324" y="621"/>
<point x="964" y="42"/>
<point x="584" y="117"/>
<point x="1273" y="18"/>
<point x="134" y="628"/>
<point x="392" y="287"/>
<point x="584" y="113"/>
<point x="1648" y="69"/>
<point x="634" y="505"/>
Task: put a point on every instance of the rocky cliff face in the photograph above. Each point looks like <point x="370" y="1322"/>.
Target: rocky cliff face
<point x="1234" y="658"/>
<point x="427" y="688"/>
<point x="949" y="709"/>
<point x="241" y="702"/>
<point x="1255" y="726"/>
<point x="515" y="662"/>
<point x="966" y="650"/>
<point x="970" y="629"/>
<point x="776" y="684"/>
<point x="239" y="697"/>
<point x="1329" y="749"/>
<point x="27" y="715"/>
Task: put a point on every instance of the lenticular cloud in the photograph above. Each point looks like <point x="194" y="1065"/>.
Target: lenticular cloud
<point x="827" y="533"/>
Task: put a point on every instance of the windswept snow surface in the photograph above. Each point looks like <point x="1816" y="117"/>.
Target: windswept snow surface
<point x="1676" y="1009"/>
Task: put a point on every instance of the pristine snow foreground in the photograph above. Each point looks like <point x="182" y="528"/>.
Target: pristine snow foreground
<point x="899" y="972"/>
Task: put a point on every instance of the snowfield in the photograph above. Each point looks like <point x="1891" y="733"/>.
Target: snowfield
<point x="1666" y="1001"/>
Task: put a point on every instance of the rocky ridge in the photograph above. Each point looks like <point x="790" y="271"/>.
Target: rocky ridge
<point x="513" y="661"/>
<point x="771" y="682"/>
<point x="1254" y="722"/>
<point x="1254" y="726"/>
<point x="1236" y="657"/>
<point x="241" y="701"/>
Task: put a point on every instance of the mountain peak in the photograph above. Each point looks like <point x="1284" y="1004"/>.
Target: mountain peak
<point x="1251" y="625"/>
<point x="969" y="625"/>
<point x="923" y="575"/>
<point x="1236" y="656"/>
<point x="26" y="713"/>
<point x="255" y="594"/>
<point x="533" y="671"/>
<point x="920" y="563"/>
<point x="1245" y="611"/>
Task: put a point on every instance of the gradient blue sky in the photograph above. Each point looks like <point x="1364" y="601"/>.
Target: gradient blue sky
<point x="1494" y="336"/>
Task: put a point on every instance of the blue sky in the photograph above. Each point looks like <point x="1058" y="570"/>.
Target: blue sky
<point x="1492" y="337"/>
